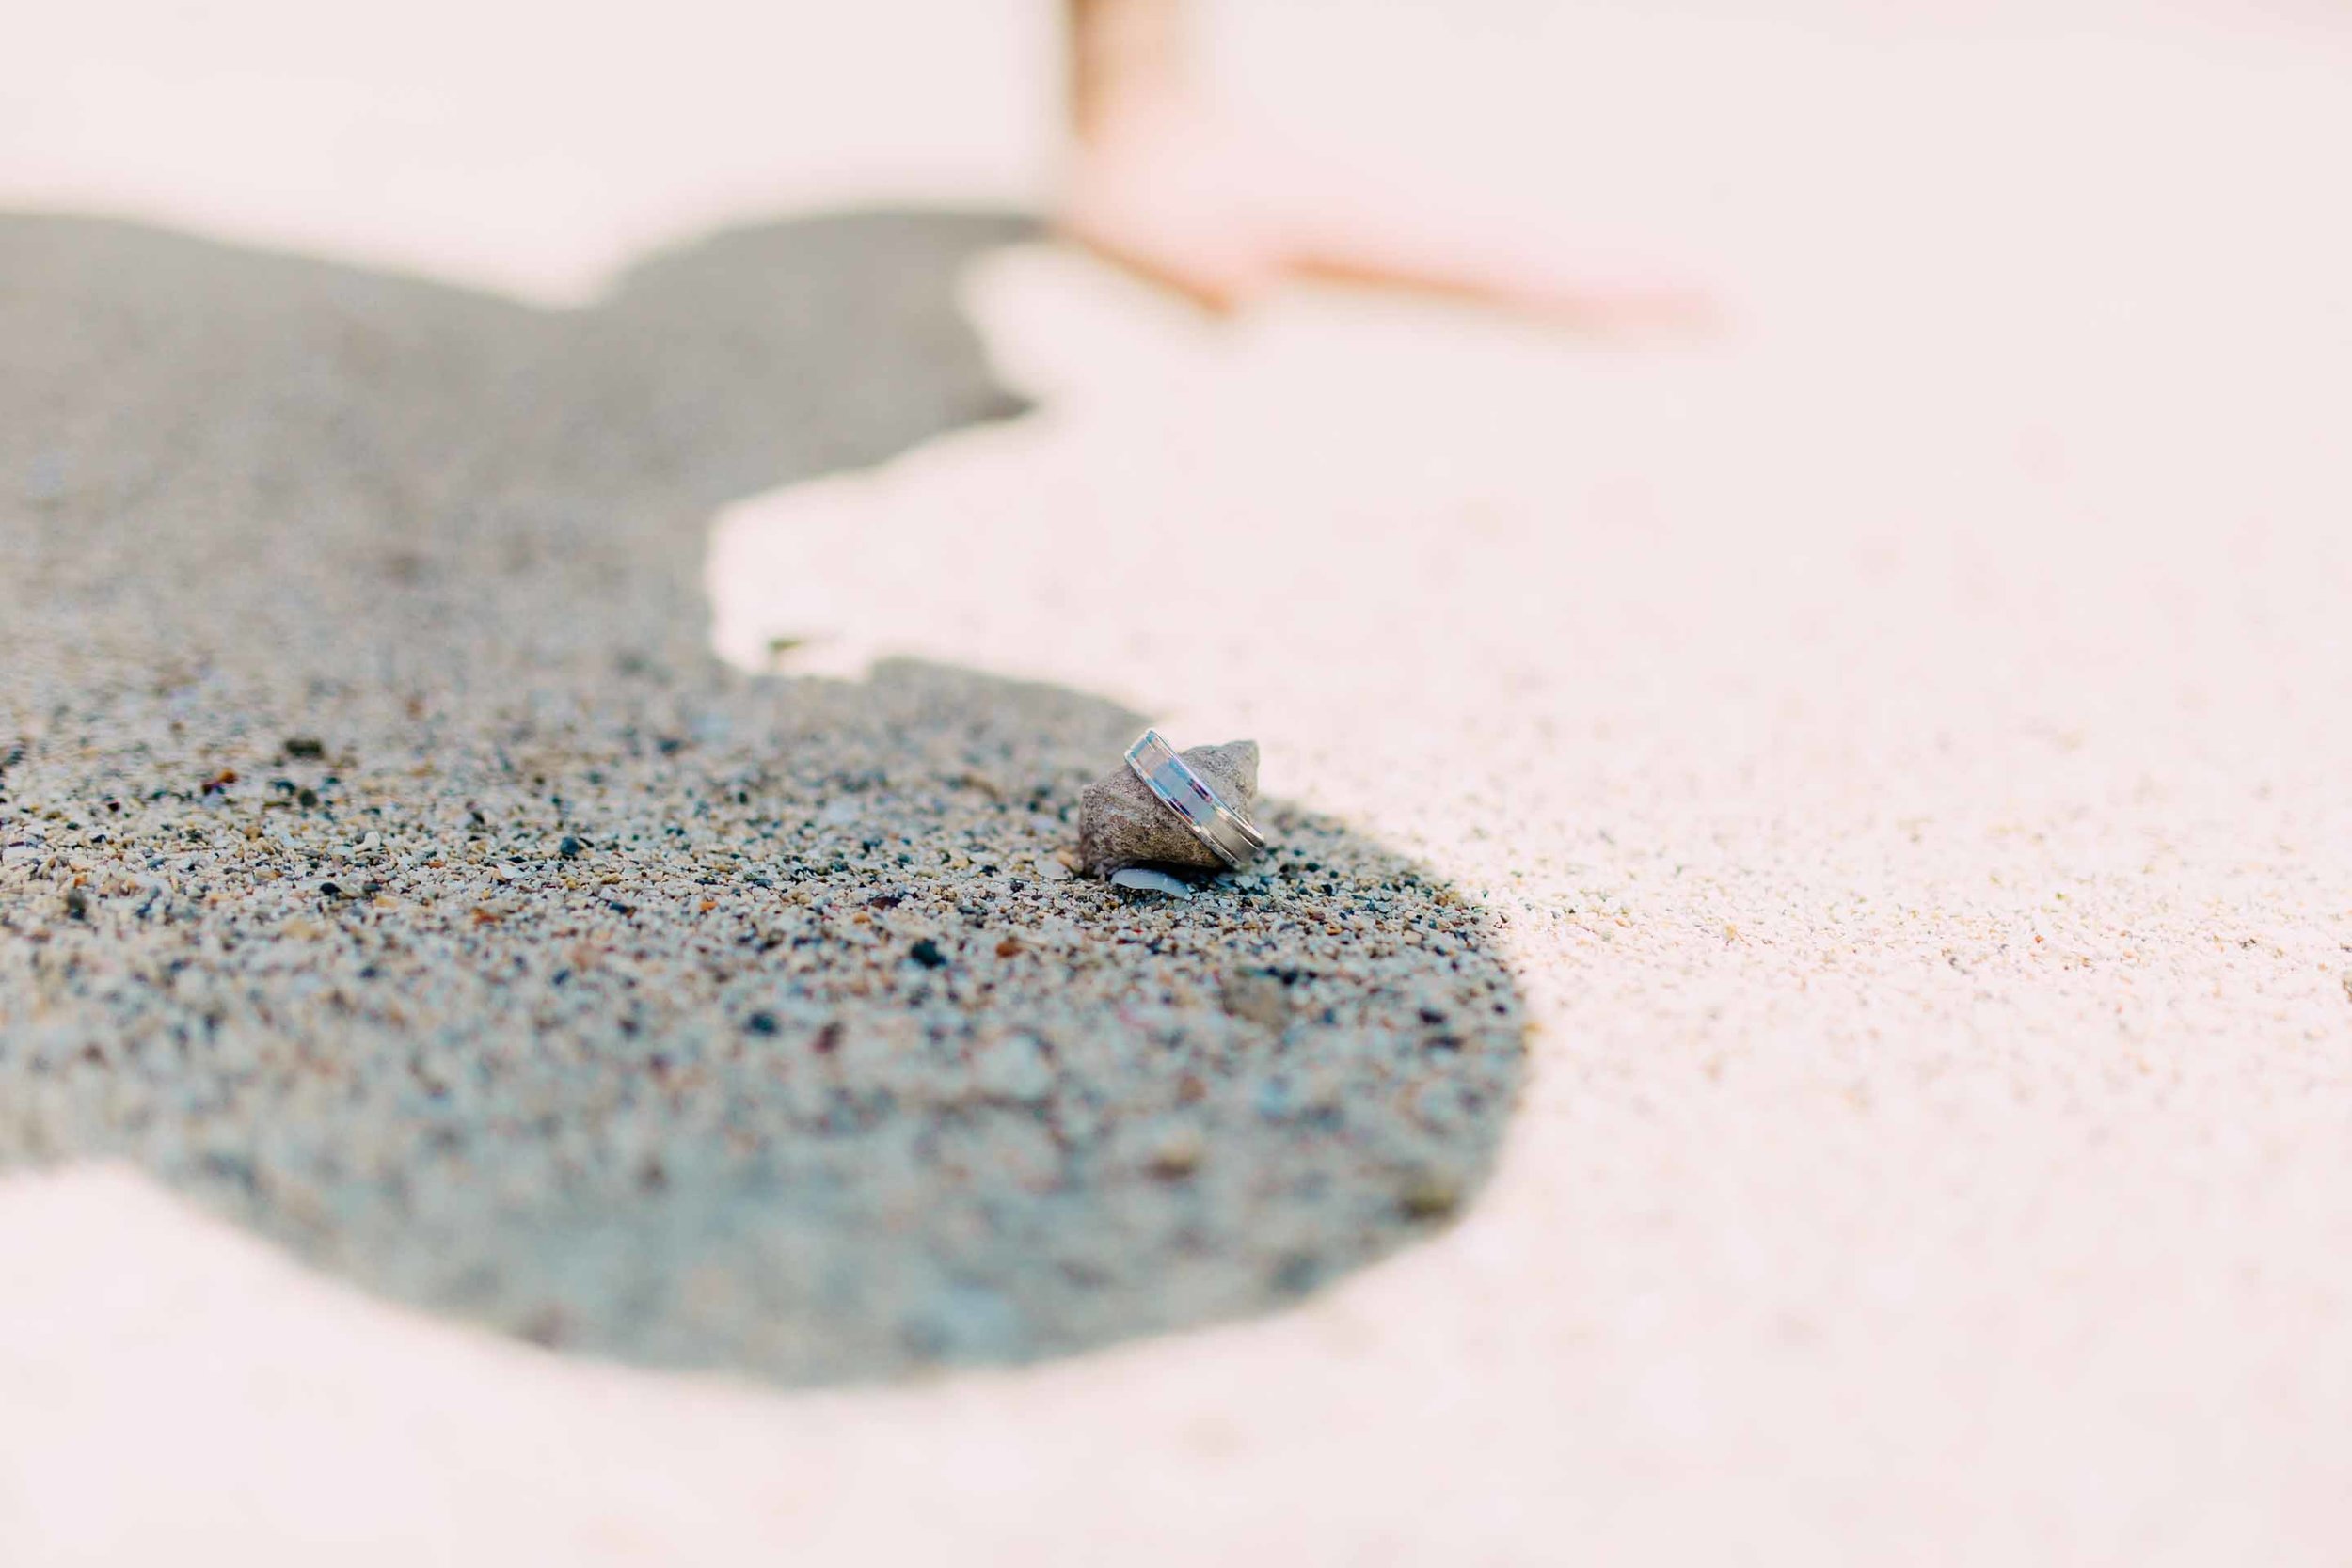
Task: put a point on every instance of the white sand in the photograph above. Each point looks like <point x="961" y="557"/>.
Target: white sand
<point x="1903" y="743"/>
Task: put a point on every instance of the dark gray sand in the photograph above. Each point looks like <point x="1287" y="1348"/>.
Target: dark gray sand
<point x="385" y="864"/>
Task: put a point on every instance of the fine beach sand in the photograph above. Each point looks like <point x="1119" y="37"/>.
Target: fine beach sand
<point x="1887" y="760"/>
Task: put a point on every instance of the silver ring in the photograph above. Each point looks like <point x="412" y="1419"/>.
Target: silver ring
<point x="1230" y="835"/>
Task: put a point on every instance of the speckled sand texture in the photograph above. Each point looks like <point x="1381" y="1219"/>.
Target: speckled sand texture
<point x="389" y="866"/>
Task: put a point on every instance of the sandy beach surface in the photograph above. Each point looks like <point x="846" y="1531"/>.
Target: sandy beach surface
<point x="1805" y="1012"/>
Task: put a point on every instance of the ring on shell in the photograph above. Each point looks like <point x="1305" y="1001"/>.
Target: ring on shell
<point x="1127" y="825"/>
<point x="1222" y="827"/>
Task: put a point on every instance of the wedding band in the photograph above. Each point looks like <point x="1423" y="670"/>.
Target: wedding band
<point x="1228" y="834"/>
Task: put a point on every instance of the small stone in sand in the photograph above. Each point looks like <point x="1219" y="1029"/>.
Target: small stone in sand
<point x="1178" y="1151"/>
<point x="1256" y="997"/>
<point x="1429" y="1194"/>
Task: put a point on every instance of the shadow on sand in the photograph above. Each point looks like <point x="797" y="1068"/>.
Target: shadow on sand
<point x="389" y="867"/>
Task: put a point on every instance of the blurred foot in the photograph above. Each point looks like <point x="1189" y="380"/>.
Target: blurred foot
<point x="1191" y="201"/>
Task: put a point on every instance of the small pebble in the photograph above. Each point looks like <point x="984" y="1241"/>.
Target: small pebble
<point x="1178" y="1151"/>
<point x="1429" y="1194"/>
<point x="1257" y="997"/>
